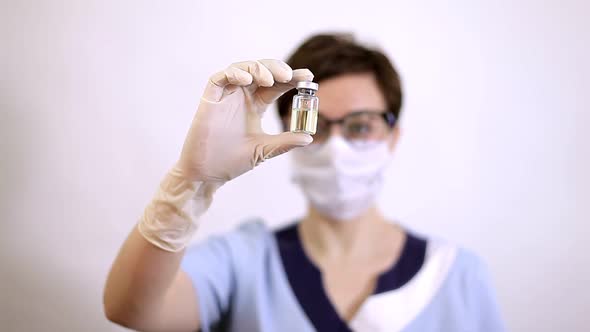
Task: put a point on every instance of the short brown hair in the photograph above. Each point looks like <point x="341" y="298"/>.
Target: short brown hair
<point x="331" y="55"/>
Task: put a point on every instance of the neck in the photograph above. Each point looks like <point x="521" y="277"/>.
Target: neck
<point x="334" y="238"/>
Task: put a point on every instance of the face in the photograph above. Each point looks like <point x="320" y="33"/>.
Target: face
<point x="347" y="94"/>
<point x="342" y="181"/>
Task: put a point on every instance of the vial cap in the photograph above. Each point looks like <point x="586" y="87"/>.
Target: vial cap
<point x="307" y="85"/>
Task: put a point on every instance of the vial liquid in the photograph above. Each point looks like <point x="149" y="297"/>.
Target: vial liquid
<point x="304" y="113"/>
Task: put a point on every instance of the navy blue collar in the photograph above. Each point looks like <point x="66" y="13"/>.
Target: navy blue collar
<point x="305" y="278"/>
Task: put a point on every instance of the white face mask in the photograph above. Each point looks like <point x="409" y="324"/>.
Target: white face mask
<point x="340" y="180"/>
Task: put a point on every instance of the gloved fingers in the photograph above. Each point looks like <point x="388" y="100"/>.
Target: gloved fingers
<point x="244" y="74"/>
<point x="300" y="75"/>
<point x="278" y="144"/>
<point x="260" y="73"/>
<point x="281" y="72"/>
<point x="270" y="94"/>
<point x="218" y="82"/>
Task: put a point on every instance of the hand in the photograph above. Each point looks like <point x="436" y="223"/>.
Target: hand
<point x="226" y="139"/>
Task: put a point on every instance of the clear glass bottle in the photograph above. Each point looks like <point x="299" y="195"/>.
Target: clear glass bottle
<point x="304" y="113"/>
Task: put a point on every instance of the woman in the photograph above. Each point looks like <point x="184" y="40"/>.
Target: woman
<point x="343" y="266"/>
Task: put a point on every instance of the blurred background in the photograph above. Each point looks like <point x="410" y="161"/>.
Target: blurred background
<point x="97" y="96"/>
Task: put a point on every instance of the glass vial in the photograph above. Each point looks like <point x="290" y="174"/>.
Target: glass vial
<point x="304" y="113"/>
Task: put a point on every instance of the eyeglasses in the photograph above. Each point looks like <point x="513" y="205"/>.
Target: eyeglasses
<point x="356" y="126"/>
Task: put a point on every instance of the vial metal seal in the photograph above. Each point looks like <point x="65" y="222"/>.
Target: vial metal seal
<point x="304" y="113"/>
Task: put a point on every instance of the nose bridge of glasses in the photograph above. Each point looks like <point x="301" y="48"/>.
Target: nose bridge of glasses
<point x="336" y="127"/>
<point x="330" y="126"/>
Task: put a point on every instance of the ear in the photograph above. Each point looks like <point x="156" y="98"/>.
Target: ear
<point x="394" y="137"/>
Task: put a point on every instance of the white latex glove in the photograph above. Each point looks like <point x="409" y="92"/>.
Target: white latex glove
<point x="225" y="140"/>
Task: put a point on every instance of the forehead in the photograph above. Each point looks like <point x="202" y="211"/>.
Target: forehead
<point x="348" y="93"/>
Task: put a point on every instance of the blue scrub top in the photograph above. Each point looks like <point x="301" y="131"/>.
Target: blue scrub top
<point x="255" y="279"/>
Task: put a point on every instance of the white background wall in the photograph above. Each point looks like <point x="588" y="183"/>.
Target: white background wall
<point x="96" y="97"/>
